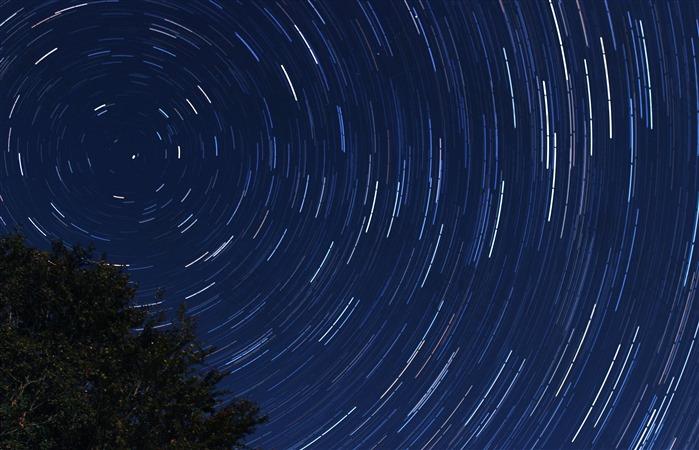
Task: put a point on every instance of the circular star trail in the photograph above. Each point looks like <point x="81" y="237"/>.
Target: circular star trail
<point x="407" y="224"/>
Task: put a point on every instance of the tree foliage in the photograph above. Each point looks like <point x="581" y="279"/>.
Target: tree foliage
<point x="82" y="368"/>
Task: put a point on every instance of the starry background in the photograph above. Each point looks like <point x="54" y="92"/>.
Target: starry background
<point x="402" y="224"/>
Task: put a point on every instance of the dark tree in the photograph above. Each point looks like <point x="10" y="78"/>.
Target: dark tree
<point x="82" y="368"/>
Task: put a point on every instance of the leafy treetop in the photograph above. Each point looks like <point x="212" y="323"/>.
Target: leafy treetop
<point x="82" y="368"/>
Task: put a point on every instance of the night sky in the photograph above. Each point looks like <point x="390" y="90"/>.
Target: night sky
<point x="403" y="224"/>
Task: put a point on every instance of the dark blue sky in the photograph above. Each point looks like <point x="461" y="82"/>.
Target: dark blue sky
<point x="403" y="224"/>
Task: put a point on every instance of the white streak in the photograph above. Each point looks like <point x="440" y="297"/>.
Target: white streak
<point x="293" y="91"/>
<point x="45" y="56"/>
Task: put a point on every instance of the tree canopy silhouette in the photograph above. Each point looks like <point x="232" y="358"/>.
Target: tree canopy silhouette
<point x="81" y="367"/>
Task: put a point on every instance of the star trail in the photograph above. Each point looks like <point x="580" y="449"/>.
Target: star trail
<point x="402" y="224"/>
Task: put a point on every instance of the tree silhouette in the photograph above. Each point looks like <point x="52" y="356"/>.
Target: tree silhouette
<point x="82" y="368"/>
